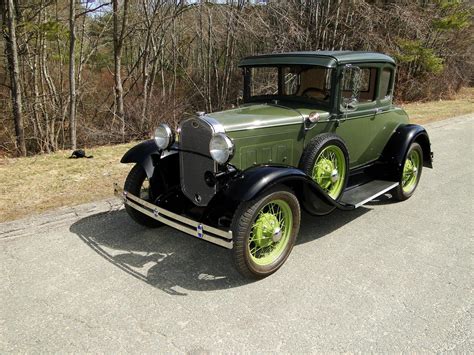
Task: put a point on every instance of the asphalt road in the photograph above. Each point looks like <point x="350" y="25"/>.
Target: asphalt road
<point x="386" y="277"/>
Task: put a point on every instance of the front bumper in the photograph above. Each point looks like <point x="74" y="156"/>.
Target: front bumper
<point x="181" y="223"/>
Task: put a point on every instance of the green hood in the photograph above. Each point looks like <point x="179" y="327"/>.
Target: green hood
<point x="259" y="115"/>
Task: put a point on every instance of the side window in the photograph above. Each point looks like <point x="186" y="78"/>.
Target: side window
<point x="368" y="81"/>
<point x="385" y="87"/>
<point x="291" y="81"/>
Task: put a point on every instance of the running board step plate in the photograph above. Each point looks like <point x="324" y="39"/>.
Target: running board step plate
<point x="362" y="194"/>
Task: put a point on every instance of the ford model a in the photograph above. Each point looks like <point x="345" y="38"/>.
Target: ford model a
<point x="316" y="130"/>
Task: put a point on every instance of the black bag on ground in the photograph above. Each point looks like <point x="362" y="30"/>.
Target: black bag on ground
<point x="79" y="153"/>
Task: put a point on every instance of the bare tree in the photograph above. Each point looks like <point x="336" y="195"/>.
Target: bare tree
<point x="11" y="50"/>
<point x="134" y="63"/>
<point x="120" y="27"/>
<point x="72" y="73"/>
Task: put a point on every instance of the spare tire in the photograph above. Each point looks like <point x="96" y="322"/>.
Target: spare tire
<point x="326" y="160"/>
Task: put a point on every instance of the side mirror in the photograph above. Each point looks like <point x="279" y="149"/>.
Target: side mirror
<point x="351" y="81"/>
<point x="349" y="103"/>
<point x="311" y="120"/>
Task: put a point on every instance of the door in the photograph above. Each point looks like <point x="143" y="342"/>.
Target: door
<point x="356" y="125"/>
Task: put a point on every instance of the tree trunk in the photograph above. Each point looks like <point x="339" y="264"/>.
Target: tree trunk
<point x="11" y="52"/>
<point x="118" y="35"/>
<point x="72" y="73"/>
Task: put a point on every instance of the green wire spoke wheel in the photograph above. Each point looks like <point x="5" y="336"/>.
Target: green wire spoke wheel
<point x="270" y="232"/>
<point x="329" y="170"/>
<point x="411" y="173"/>
<point x="265" y="231"/>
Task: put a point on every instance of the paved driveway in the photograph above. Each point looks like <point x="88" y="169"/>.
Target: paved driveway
<point x="386" y="277"/>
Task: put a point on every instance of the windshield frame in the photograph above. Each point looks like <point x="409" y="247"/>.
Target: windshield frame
<point x="247" y="91"/>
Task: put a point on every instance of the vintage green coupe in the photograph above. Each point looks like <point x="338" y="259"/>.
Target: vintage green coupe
<point x="315" y="129"/>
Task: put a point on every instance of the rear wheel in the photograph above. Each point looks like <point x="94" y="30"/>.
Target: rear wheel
<point x="411" y="174"/>
<point x="265" y="231"/>
<point x="138" y="184"/>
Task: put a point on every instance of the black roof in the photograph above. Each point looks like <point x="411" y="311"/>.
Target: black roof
<point x="322" y="58"/>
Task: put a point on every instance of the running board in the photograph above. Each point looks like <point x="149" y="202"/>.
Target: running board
<point x="362" y="194"/>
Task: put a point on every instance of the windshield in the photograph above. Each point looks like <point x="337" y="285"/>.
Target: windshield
<point x="292" y="82"/>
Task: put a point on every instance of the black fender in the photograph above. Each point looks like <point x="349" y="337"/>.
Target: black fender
<point x="161" y="167"/>
<point x="147" y="154"/>
<point x="394" y="153"/>
<point x="253" y="181"/>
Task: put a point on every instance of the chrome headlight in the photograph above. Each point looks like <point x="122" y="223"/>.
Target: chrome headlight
<point x="163" y="136"/>
<point x="221" y="148"/>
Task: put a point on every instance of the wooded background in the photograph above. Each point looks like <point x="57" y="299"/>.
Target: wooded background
<point x="81" y="73"/>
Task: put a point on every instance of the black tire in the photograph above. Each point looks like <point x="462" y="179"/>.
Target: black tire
<point x="308" y="159"/>
<point x="399" y="193"/>
<point x="243" y="220"/>
<point x="133" y="184"/>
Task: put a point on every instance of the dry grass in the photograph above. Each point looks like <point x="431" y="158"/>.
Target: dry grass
<point x="33" y="185"/>
<point x="424" y="112"/>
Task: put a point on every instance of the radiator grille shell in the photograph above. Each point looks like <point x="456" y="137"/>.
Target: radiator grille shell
<point x="195" y="159"/>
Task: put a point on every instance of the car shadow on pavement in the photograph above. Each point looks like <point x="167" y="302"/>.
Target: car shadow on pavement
<point x="315" y="227"/>
<point x="174" y="262"/>
<point x="385" y="199"/>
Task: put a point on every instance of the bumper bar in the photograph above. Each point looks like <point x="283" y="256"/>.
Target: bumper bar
<point x="184" y="224"/>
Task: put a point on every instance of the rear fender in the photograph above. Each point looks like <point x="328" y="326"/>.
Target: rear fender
<point x="397" y="147"/>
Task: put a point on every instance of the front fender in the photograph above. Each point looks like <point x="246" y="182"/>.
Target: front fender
<point x="397" y="147"/>
<point x="255" y="180"/>
<point x="143" y="154"/>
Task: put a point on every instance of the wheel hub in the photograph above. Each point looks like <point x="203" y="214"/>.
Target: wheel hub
<point x="329" y="170"/>
<point x="326" y="172"/>
<point x="276" y="235"/>
<point x="267" y="230"/>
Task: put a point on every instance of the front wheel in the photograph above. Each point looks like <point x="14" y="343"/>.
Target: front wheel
<point x="411" y="174"/>
<point x="265" y="231"/>
<point x="137" y="184"/>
